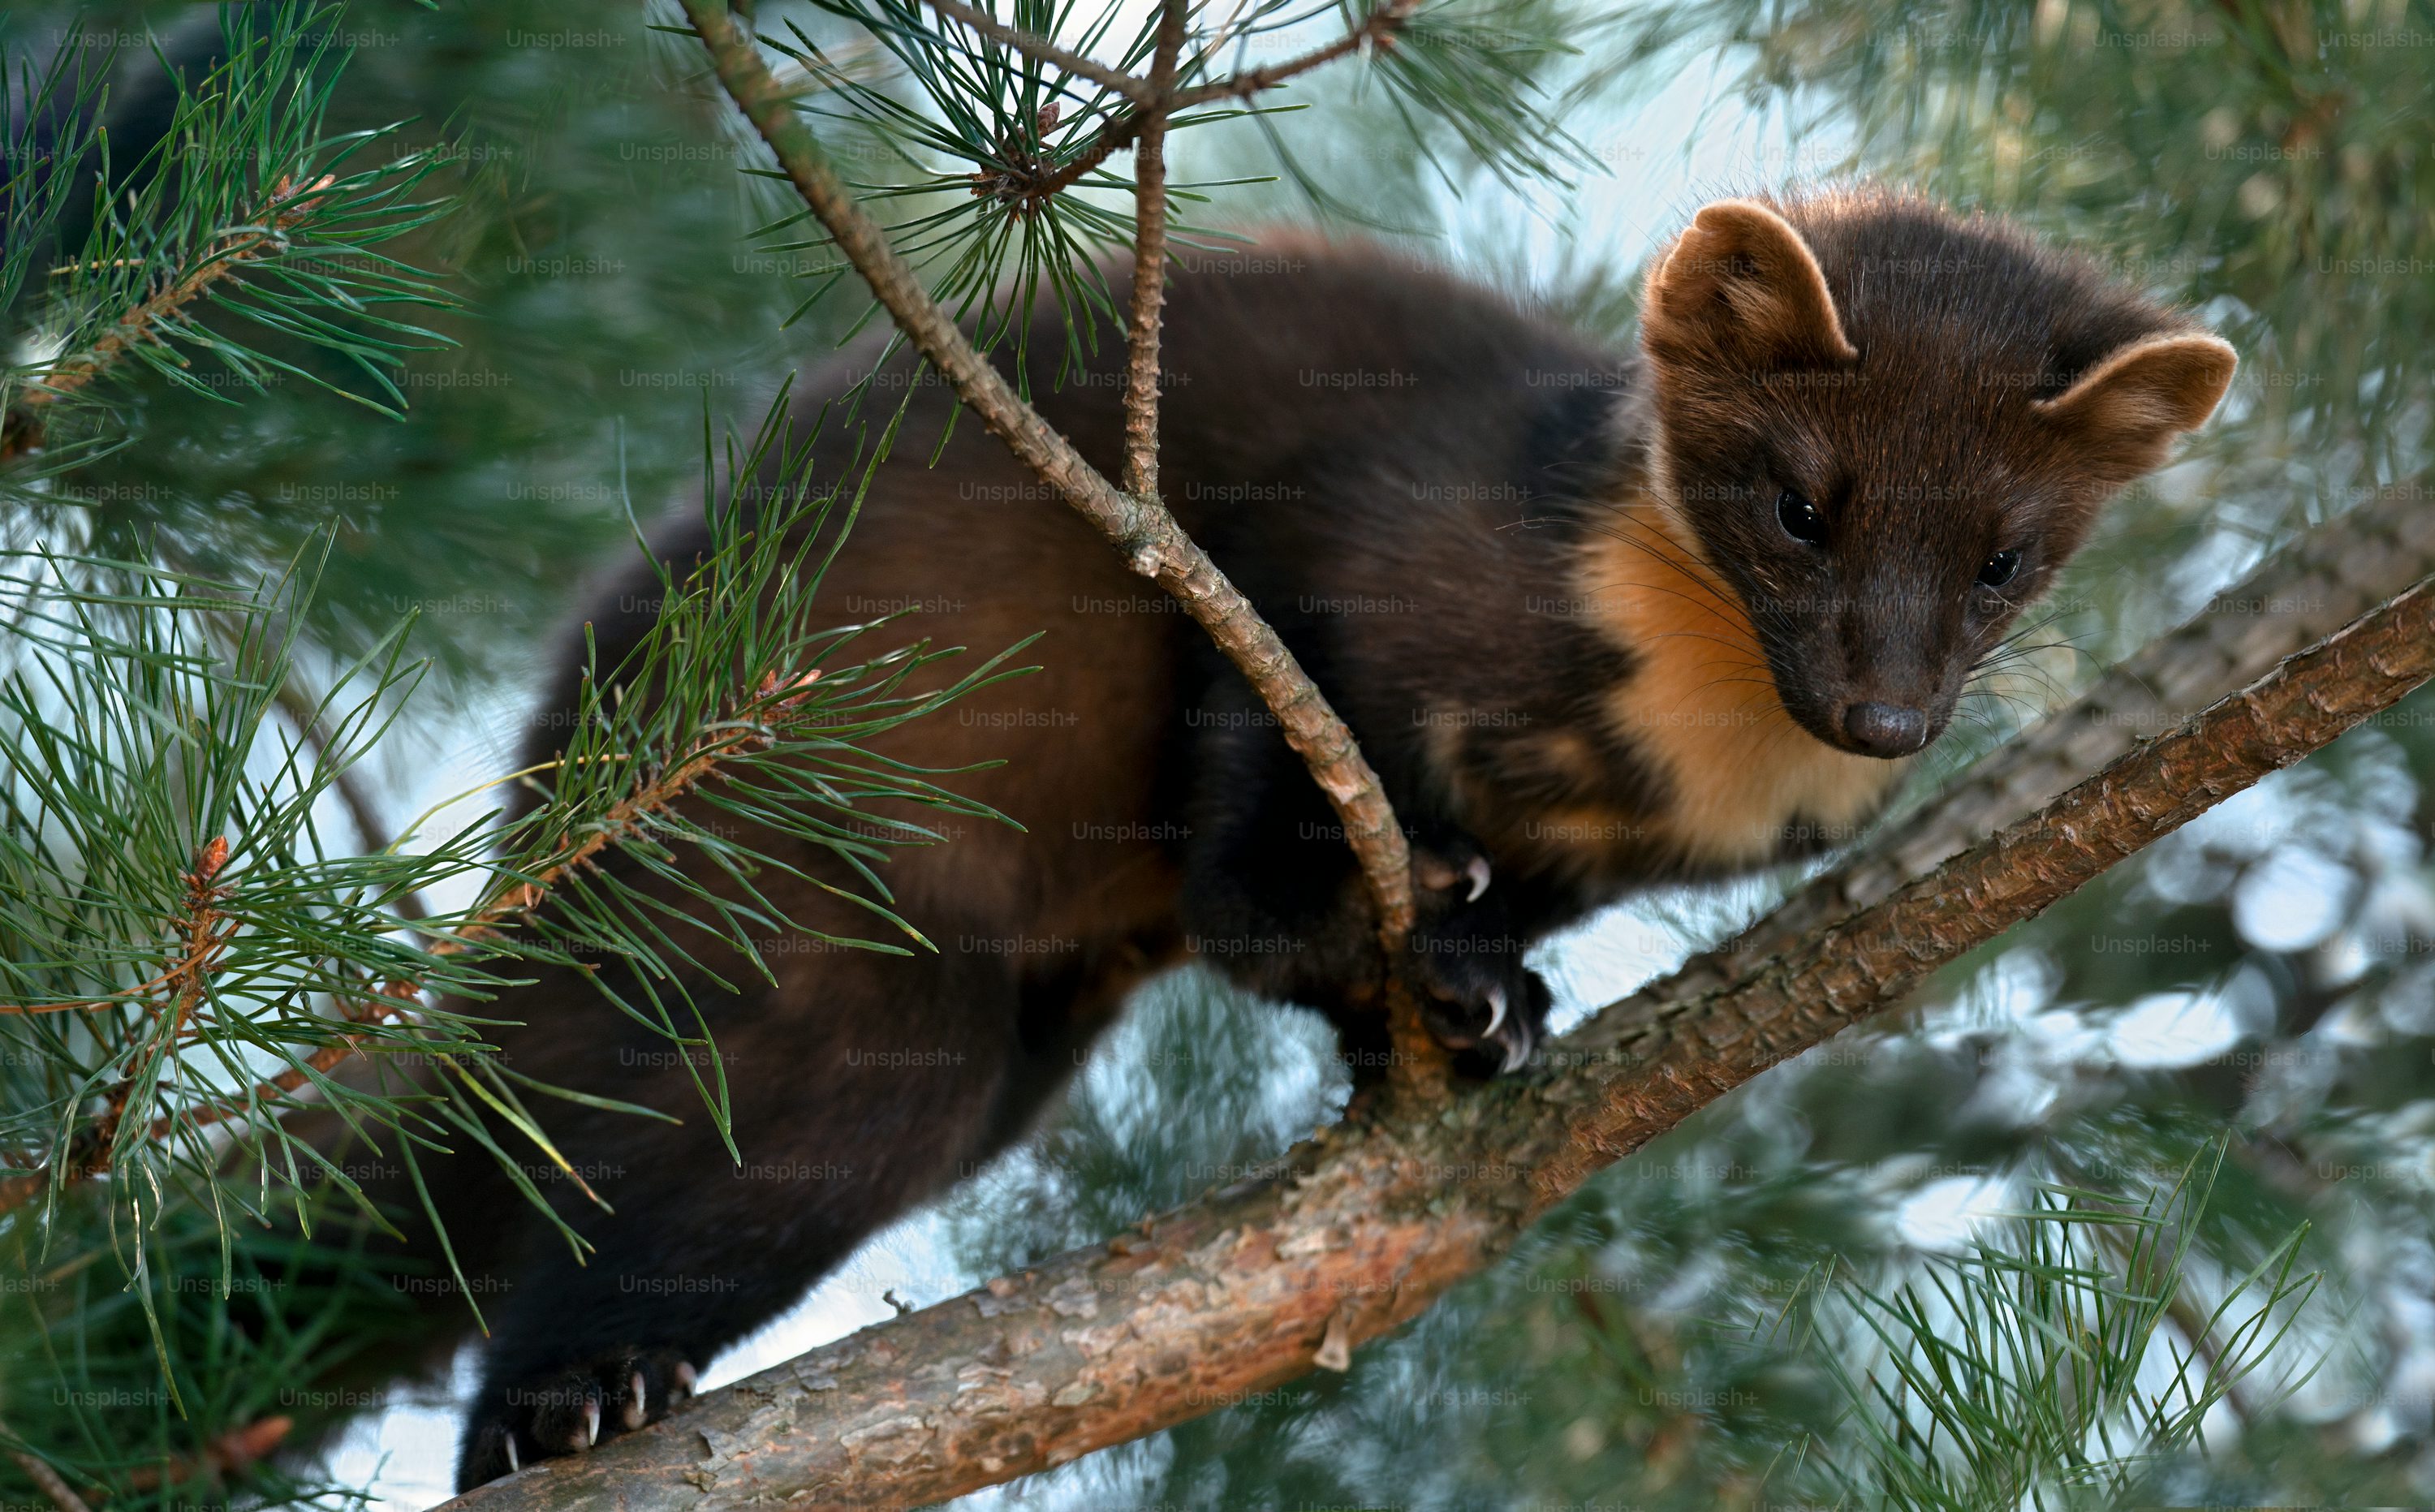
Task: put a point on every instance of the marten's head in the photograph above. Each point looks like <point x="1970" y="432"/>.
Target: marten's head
<point x="1885" y="428"/>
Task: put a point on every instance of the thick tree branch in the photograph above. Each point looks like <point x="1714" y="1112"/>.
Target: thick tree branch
<point x="1365" y="1225"/>
<point x="1689" y="1053"/>
<point x="1138" y="527"/>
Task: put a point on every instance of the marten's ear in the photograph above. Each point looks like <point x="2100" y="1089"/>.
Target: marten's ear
<point x="1741" y="284"/>
<point x="2128" y="408"/>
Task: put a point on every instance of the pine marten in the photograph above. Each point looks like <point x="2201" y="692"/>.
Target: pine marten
<point x="1599" y="620"/>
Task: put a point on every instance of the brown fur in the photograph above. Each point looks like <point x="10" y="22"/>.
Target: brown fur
<point x="1740" y="284"/>
<point x="1740" y="776"/>
<point x="1988" y="395"/>
<point x="1549" y="587"/>
<point x="2125" y="412"/>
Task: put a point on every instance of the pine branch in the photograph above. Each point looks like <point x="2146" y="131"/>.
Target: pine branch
<point x="2189" y="1313"/>
<point x="254" y="1313"/>
<point x="2020" y="1372"/>
<point x="151" y="319"/>
<point x="1369" y="1224"/>
<point x="515" y="903"/>
<point x="301" y="956"/>
<point x="242" y="206"/>
<point x="1140" y="529"/>
<point x="203" y="930"/>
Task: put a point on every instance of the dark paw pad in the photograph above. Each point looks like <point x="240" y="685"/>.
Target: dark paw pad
<point x="570" y="1411"/>
<point x="1492" y="1010"/>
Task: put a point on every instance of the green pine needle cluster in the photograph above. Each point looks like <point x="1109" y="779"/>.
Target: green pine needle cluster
<point x="1005" y="163"/>
<point x="247" y="214"/>
<point x="188" y="955"/>
<point x="2043" y="1366"/>
<point x="200" y="1394"/>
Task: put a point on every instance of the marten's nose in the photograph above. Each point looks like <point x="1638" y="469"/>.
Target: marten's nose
<point x="1884" y="729"/>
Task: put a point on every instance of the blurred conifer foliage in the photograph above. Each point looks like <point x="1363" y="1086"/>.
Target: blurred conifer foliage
<point x="336" y="337"/>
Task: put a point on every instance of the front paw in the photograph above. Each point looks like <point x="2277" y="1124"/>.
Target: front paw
<point x="1476" y="997"/>
<point x="569" y="1411"/>
<point x="1458" y="871"/>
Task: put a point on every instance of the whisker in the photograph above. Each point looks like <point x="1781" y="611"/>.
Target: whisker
<point x="1657" y="543"/>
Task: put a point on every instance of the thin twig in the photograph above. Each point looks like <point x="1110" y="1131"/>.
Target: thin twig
<point x="46" y="1479"/>
<point x="1118" y="134"/>
<point x="1378" y="28"/>
<point x="1146" y="536"/>
<point x="1126" y="127"/>
<point x="1033" y="45"/>
<point x="1149" y="268"/>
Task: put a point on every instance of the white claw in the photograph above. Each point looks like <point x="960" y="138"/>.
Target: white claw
<point x="1477" y="872"/>
<point x="591" y="1425"/>
<point x="1516" y="1053"/>
<point x="686" y="1376"/>
<point x="514" y="1464"/>
<point x="636" y="1408"/>
<point x="1495" y="1011"/>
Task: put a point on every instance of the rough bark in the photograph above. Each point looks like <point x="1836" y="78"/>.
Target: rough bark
<point x="1149" y="268"/>
<point x="1364" y="1226"/>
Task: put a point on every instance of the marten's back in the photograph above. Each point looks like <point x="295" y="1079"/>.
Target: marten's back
<point x="1598" y="622"/>
<point x="1337" y="426"/>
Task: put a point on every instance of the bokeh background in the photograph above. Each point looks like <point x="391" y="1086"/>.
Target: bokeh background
<point x="2262" y="983"/>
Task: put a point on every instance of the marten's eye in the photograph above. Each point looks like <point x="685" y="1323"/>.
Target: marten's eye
<point x="1999" y="568"/>
<point x="1800" y="519"/>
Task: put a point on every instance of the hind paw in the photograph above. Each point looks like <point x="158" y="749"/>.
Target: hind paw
<point x="571" y="1410"/>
